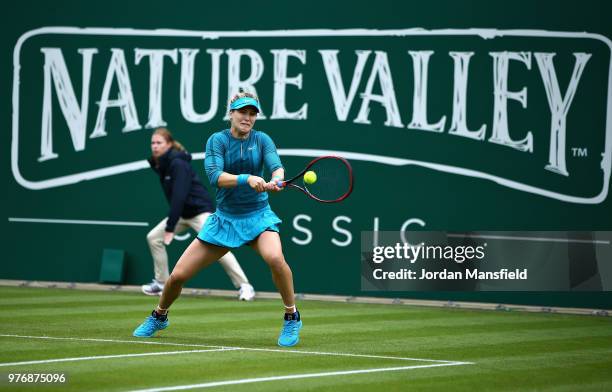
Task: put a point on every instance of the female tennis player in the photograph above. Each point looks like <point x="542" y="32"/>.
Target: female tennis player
<point x="235" y="160"/>
<point x="190" y="206"/>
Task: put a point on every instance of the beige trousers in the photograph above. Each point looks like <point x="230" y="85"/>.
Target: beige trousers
<point x="155" y="238"/>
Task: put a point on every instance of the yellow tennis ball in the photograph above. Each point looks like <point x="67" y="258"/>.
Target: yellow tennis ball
<point x="310" y="177"/>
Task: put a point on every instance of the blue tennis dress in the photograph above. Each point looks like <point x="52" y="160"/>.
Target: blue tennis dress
<point x="242" y="214"/>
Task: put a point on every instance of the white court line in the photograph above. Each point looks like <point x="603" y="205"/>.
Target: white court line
<point x="294" y="376"/>
<point x="96" y="357"/>
<point x="77" y="222"/>
<point x="288" y="351"/>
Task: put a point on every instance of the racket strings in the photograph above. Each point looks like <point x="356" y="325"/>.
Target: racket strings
<point x="333" y="179"/>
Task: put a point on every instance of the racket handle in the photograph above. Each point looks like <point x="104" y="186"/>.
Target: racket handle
<point x="281" y="184"/>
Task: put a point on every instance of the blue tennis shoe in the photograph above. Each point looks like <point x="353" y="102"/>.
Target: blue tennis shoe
<point x="151" y="325"/>
<point x="290" y="334"/>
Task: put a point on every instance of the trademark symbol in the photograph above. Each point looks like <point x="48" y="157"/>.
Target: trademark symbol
<point x="580" y="152"/>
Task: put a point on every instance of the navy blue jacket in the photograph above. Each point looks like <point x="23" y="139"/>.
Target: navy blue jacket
<point x="182" y="186"/>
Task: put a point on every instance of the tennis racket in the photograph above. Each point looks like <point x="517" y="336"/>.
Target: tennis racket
<point x="334" y="179"/>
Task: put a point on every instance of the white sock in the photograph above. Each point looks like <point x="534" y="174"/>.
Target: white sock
<point x="290" y="309"/>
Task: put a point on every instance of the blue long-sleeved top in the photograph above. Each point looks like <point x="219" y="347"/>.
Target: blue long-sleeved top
<point x="225" y="153"/>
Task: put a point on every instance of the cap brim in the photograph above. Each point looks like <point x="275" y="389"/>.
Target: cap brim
<point x="240" y="106"/>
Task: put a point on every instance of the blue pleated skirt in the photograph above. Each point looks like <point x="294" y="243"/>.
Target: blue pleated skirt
<point x="233" y="230"/>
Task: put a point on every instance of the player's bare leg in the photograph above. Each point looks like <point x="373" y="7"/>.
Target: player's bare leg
<point x="198" y="255"/>
<point x="268" y="245"/>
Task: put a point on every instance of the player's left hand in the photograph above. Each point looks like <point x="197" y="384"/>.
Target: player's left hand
<point x="272" y="186"/>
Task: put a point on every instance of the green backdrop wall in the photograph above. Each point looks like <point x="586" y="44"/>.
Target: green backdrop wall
<point x="455" y="116"/>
